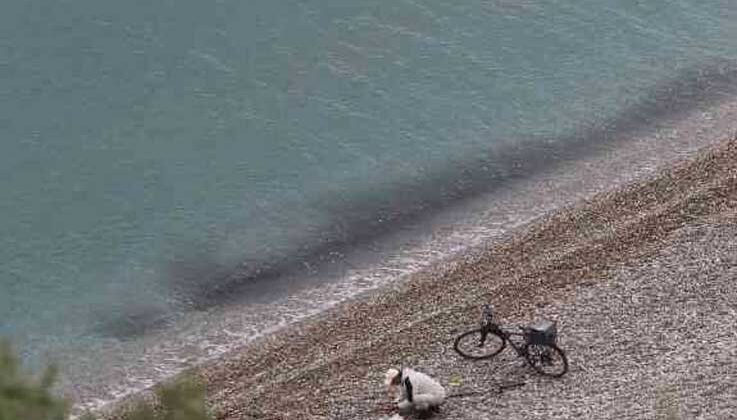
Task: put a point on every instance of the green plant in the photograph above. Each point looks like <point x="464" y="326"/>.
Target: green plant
<point x="25" y="399"/>
<point x="183" y="399"/>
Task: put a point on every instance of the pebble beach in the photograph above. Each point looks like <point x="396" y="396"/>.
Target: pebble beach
<point x="640" y="280"/>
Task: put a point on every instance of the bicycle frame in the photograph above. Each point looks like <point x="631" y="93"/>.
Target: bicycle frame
<point x="506" y="333"/>
<point x="488" y="325"/>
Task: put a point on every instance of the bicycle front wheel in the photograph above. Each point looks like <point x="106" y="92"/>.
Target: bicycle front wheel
<point x="547" y="359"/>
<point x="479" y="344"/>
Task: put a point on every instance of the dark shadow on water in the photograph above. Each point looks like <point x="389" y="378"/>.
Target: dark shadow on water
<point x="362" y="217"/>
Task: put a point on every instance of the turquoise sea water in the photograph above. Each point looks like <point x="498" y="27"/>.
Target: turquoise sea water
<point x="153" y="152"/>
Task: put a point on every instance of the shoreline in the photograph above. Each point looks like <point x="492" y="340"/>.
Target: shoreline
<point x="688" y="134"/>
<point x="321" y="370"/>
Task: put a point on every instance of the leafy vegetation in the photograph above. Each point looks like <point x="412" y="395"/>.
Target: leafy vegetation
<point x="181" y="400"/>
<point x="22" y="398"/>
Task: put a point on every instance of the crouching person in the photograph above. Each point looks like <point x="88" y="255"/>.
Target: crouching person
<point x="416" y="390"/>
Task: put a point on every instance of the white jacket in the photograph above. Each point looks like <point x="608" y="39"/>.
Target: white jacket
<point x="425" y="391"/>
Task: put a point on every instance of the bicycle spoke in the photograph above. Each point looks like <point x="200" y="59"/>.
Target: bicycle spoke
<point x="547" y="359"/>
<point x="479" y="344"/>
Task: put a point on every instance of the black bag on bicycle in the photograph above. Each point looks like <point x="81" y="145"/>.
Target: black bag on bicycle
<point x="543" y="332"/>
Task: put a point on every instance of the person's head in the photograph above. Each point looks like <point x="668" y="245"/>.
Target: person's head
<point x="393" y="377"/>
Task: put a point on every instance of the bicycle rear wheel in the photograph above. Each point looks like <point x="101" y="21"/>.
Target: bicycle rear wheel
<point x="479" y="344"/>
<point x="547" y="359"/>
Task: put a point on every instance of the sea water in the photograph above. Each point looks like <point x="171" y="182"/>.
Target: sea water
<point x="163" y="160"/>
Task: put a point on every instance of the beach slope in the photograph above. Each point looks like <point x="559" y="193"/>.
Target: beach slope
<point x="641" y="281"/>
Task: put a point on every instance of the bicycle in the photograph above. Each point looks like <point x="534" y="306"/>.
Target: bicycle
<point x="538" y="345"/>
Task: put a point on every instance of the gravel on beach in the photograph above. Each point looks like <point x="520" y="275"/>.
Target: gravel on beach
<point x="639" y="279"/>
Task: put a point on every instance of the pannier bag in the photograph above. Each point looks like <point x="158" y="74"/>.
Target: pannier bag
<point x="542" y="332"/>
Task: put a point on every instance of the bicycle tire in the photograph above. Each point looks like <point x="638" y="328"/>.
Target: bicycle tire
<point x="488" y="345"/>
<point x="539" y="357"/>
